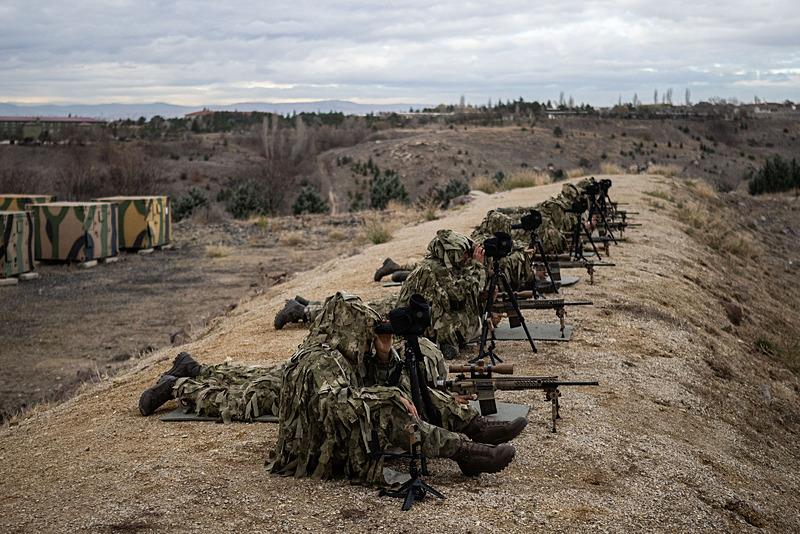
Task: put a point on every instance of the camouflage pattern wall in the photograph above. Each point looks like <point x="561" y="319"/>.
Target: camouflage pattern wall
<point x="74" y="231"/>
<point x="16" y="243"/>
<point x="143" y="222"/>
<point x="19" y="202"/>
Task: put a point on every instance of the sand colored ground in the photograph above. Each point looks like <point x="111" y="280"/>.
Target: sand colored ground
<point x="667" y="443"/>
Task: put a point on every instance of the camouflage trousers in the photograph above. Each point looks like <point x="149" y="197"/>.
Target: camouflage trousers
<point x="231" y="391"/>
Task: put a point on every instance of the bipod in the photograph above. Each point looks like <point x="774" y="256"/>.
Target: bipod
<point x="497" y="274"/>
<point x="415" y="489"/>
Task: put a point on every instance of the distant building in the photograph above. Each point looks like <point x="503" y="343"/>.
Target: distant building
<point x="44" y="129"/>
<point x="205" y="112"/>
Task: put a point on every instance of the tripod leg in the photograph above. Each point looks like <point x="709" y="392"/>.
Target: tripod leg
<point x="515" y="304"/>
<point x="540" y="249"/>
<point x="591" y="241"/>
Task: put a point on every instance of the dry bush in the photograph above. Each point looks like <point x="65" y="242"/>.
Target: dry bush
<point x="611" y="168"/>
<point x="702" y="189"/>
<point x="484" y="183"/>
<point x="428" y="208"/>
<point x="525" y="178"/>
<point x="377" y="229"/>
<point x="576" y="172"/>
<point x="218" y="251"/>
<point x="292" y="239"/>
<point x="663" y="195"/>
<point x="336" y="234"/>
<point x="664" y="170"/>
<point x="694" y="215"/>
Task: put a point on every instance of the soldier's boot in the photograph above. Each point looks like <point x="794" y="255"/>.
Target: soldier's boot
<point x="476" y="458"/>
<point x="292" y="312"/>
<point x="400" y="276"/>
<point x="184" y="366"/>
<point x="484" y="430"/>
<point x="388" y="267"/>
<point x="155" y="396"/>
<point x="449" y="352"/>
<point x="301" y="300"/>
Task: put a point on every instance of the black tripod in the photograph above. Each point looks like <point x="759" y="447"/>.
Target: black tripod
<point x="415" y="489"/>
<point x="576" y="248"/>
<point x="594" y="208"/>
<point x="496" y="275"/>
<point x="538" y="247"/>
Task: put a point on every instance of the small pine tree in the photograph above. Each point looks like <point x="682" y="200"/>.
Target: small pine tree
<point x="387" y="187"/>
<point x="309" y="201"/>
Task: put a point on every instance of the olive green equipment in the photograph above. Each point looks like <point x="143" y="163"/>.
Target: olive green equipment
<point x="16" y="243"/>
<point x="478" y="379"/>
<point x="10" y="202"/>
<point x="142" y="221"/>
<point x="74" y="231"/>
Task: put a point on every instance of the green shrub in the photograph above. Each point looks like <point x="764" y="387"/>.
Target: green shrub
<point x="387" y="187"/>
<point x="243" y="199"/>
<point x="309" y="201"/>
<point x="454" y="188"/>
<point x="776" y="175"/>
<point x="185" y="205"/>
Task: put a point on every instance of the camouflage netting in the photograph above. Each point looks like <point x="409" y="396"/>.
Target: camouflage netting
<point x="231" y="391"/>
<point x="452" y="290"/>
<point x="517" y="265"/>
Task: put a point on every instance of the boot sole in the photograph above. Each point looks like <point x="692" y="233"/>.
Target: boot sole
<point x="504" y="460"/>
<point x="150" y="394"/>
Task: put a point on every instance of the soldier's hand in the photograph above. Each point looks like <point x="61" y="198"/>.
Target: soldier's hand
<point x="410" y="408"/>
<point x="478" y="253"/>
<point x="464" y="399"/>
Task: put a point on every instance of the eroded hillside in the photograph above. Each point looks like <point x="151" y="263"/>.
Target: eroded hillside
<point x="694" y="426"/>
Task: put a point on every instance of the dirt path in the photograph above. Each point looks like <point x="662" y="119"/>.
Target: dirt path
<point x="667" y="443"/>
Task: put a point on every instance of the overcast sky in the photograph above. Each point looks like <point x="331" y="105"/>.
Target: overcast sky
<point x="193" y="52"/>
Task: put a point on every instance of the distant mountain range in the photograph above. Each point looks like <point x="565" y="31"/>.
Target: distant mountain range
<point x="134" y="111"/>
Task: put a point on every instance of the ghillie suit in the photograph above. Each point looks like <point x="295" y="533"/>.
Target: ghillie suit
<point x="517" y="265"/>
<point x="232" y="391"/>
<point x="451" y="285"/>
<point x="332" y="420"/>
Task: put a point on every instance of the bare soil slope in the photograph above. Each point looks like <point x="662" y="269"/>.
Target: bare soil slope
<point x="691" y="429"/>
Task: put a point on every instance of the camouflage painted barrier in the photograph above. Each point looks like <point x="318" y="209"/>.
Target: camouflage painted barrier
<point x="16" y="243"/>
<point x="19" y="202"/>
<point x="74" y="231"/>
<point x="143" y="222"/>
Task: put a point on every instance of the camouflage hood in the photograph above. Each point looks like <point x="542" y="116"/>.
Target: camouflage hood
<point x="570" y="192"/>
<point x="493" y="222"/>
<point x="346" y="324"/>
<point x="448" y="247"/>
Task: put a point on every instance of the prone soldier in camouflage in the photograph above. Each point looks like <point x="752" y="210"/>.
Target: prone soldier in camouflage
<point x="16" y="243"/>
<point x="342" y="394"/>
<point x="74" y="231"/>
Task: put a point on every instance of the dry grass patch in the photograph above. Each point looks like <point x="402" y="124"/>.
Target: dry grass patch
<point x="336" y="235"/>
<point x="377" y="229"/>
<point x="484" y="183"/>
<point x="525" y="178"/>
<point x="702" y="189"/>
<point x="664" y="170"/>
<point x="218" y="251"/>
<point x="576" y="172"/>
<point x="428" y="208"/>
<point x="291" y="238"/>
<point x="611" y="168"/>
<point x="663" y="195"/>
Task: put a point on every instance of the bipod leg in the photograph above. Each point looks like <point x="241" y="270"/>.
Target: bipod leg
<point x="577" y="252"/>
<point x="515" y="304"/>
<point x="608" y="228"/>
<point x="540" y="249"/>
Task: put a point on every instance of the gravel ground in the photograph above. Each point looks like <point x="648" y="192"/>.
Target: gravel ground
<point x="690" y="430"/>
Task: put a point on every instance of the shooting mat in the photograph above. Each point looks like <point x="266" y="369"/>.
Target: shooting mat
<point x="392" y="284"/>
<point x="506" y="411"/>
<point x="569" y="280"/>
<point x="185" y="414"/>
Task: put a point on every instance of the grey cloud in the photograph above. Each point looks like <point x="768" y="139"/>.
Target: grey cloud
<point x="205" y="52"/>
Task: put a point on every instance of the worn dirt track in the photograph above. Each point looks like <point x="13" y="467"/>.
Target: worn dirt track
<point x="667" y="443"/>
